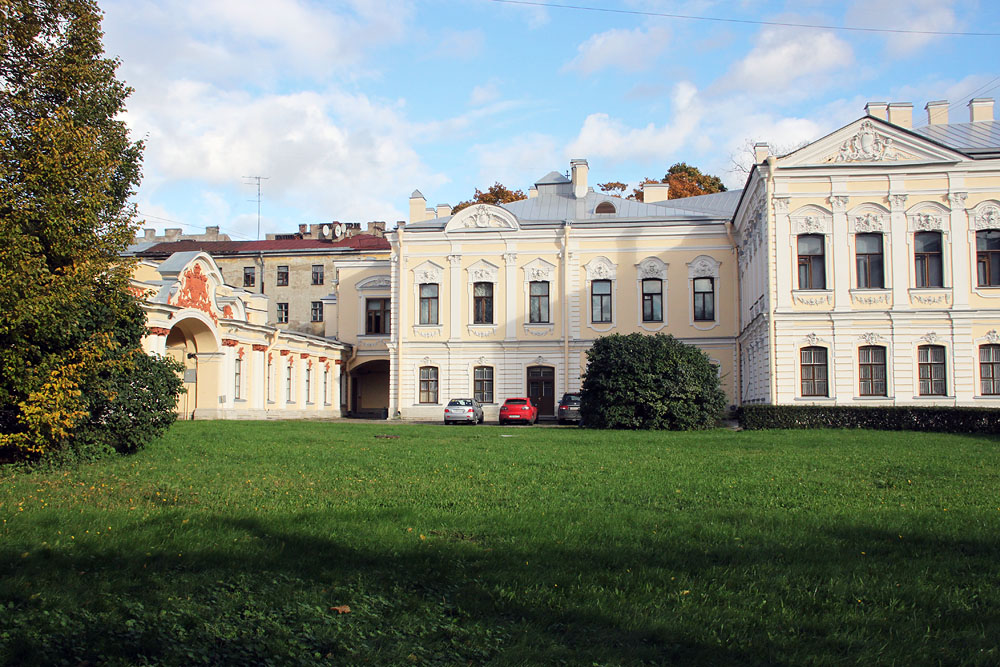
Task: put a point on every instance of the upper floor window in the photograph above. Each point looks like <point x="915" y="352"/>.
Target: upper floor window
<point x="428" y="384"/>
<point x="377" y="316"/>
<point x="605" y="207"/>
<point x="931" y="370"/>
<point x="871" y="370"/>
<point x="600" y="300"/>
<point x="927" y="259"/>
<point x="317" y="274"/>
<point x="989" y="369"/>
<point x="482" y="303"/>
<point x="482" y="389"/>
<point x="988" y="257"/>
<point x="282" y="276"/>
<point x="814" y="372"/>
<point x="812" y="269"/>
<point x="652" y="300"/>
<point x="429" y="303"/>
<point x="868" y="254"/>
<point x="249" y="276"/>
<point x="317" y="311"/>
<point x="282" y="313"/>
<point x="704" y="299"/>
<point x="538" y="302"/>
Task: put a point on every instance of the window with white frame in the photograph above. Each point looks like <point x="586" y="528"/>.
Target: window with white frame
<point x="289" y="384"/>
<point x="928" y="259"/>
<point x="652" y="300"/>
<point x="989" y="369"/>
<point x="988" y="258"/>
<point x="538" y="302"/>
<point x="600" y="301"/>
<point x="428" y="384"/>
<point x="813" y="369"/>
<point x="482" y="303"/>
<point x="931" y="370"/>
<point x="812" y="261"/>
<point x="237" y="378"/>
<point x="429" y="303"/>
<point x="704" y="299"/>
<point x="483" y="384"/>
<point x="869" y="261"/>
<point x="871" y="371"/>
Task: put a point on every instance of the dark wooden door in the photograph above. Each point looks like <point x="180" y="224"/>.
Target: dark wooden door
<point x="542" y="389"/>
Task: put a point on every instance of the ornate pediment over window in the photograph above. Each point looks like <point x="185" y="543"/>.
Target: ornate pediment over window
<point x="482" y="217"/>
<point x="928" y="217"/>
<point x="987" y="216"/>
<point x="703" y="267"/>
<point x="868" y="218"/>
<point x="811" y="220"/>
<point x="867" y="145"/>
<point x="652" y="267"/>
<point x="601" y="268"/>
<point x="374" y="283"/>
<point x="428" y="272"/>
<point x="483" y="272"/>
<point x="539" y="269"/>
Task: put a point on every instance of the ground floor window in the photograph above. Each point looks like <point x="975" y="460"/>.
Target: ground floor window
<point x="238" y="378"/>
<point x="814" y="372"/>
<point x="989" y="369"/>
<point x="483" y="384"/>
<point x="931" y="368"/>
<point x="871" y="370"/>
<point x="428" y="384"/>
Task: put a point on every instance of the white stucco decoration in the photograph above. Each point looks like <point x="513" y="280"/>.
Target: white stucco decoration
<point x="987" y="216"/>
<point x="374" y="283"/>
<point x="811" y="220"/>
<point x="482" y="217"/>
<point x="428" y="272"/>
<point x="652" y="267"/>
<point x="538" y="269"/>
<point x="703" y="266"/>
<point x="601" y="268"/>
<point x="483" y="272"/>
<point x="867" y="145"/>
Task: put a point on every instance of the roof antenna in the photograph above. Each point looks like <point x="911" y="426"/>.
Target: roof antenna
<point x="249" y="181"/>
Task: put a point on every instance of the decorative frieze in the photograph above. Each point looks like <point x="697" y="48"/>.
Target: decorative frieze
<point x="987" y="217"/>
<point x="870" y="338"/>
<point x="812" y="300"/>
<point x="930" y="337"/>
<point x="992" y="336"/>
<point x="926" y="222"/>
<point x="652" y="267"/>
<point x="810" y="224"/>
<point x="869" y="222"/>
<point x="158" y="331"/>
<point x="481" y="331"/>
<point x="230" y="342"/>
<point x="538" y="330"/>
<point x="930" y="299"/>
<point x="867" y="145"/>
<point x="876" y="299"/>
<point x="427" y="332"/>
<point x="257" y="347"/>
<point x="600" y="268"/>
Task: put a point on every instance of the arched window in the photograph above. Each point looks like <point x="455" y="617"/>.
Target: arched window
<point x="988" y="257"/>
<point x="605" y="207"/>
<point x="814" y="372"/>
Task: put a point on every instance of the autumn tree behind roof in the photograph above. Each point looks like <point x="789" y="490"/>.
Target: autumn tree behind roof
<point x="497" y="194"/>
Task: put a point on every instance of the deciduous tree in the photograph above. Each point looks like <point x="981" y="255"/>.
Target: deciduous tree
<point x="497" y="194"/>
<point x="70" y="330"/>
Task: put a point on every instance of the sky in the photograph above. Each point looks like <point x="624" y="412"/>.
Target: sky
<point x="344" y="108"/>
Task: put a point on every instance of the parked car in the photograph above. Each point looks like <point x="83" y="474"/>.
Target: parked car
<point x="569" y="408"/>
<point x="518" y="410"/>
<point x="466" y="410"/>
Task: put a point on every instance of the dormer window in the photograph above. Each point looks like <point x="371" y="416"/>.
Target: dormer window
<point x="605" y="207"/>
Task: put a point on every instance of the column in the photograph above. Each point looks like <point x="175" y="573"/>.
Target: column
<point x="510" y="307"/>
<point x="783" y="260"/>
<point x="900" y="265"/>
<point x="837" y="251"/>
<point x="961" y="272"/>
<point x="455" y="314"/>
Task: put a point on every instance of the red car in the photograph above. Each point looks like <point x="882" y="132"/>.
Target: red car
<point x="516" y="410"/>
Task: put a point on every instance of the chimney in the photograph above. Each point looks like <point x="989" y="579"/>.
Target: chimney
<point x="148" y="234"/>
<point x="654" y="192"/>
<point x="302" y="230"/>
<point x="376" y="228"/>
<point x="901" y="114"/>
<point x="877" y="110"/>
<point x="172" y="234"/>
<point x="760" y="151"/>
<point x="443" y="211"/>
<point x="937" y="112"/>
<point x="418" y="207"/>
<point x="532" y="192"/>
<point x="580" y="169"/>
<point x="980" y="109"/>
<point x="429" y="214"/>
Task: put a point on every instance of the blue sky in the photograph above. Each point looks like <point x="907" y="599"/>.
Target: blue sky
<point x="347" y="107"/>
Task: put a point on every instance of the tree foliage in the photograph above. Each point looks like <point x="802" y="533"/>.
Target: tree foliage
<point x="497" y="194"/>
<point x="70" y="331"/>
<point x="649" y="382"/>
<point x="684" y="181"/>
<point x="616" y="188"/>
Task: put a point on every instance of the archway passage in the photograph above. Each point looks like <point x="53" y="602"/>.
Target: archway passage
<point x="193" y="344"/>
<point x="370" y="389"/>
<point x="542" y="389"/>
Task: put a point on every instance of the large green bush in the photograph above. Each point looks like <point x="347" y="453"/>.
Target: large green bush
<point x="650" y="382"/>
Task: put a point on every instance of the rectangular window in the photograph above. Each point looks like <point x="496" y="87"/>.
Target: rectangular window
<point x="270" y="378"/>
<point x="238" y="378"/>
<point x="600" y="300"/>
<point x="989" y="369"/>
<point x="871" y="370"/>
<point x="814" y="376"/>
<point x="927" y="258"/>
<point x="652" y="300"/>
<point x="429" y="303"/>
<point x="483" y="384"/>
<point x="988" y="257"/>
<point x="377" y="316"/>
<point x="282" y="276"/>
<point x="316" y="311"/>
<point x="317" y="274"/>
<point x="538" y="302"/>
<point x="326" y="387"/>
<point x="931" y="368"/>
<point x="428" y="384"/>
<point x="308" y="384"/>
<point x="812" y="269"/>
<point x="282" y="313"/>
<point x="249" y="276"/>
<point x="482" y="306"/>
<point x="704" y="299"/>
<point x="288" y="386"/>
<point x="868" y="254"/>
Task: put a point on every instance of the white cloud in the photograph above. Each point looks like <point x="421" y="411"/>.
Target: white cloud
<point x="929" y="15"/>
<point x="629" y="50"/>
<point x="484" y="94"/>
<point x="460" y="44"/>
<point x="783" y="58"/>
<point x="517" y="162"/>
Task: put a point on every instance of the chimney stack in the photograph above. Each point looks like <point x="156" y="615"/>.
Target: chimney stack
<point x="654" y="192"/>
<point x="981" y="109"/>
<point x="937" y="112"/>
<point x="580" y="170"/>
<point x="443" y="211"/>
<point x="418" y="207"/>
<point x="877" y="110"/>
<point x="760" y="152"/>
<point x="901" y="114"/>
<point x="532" y="192"/>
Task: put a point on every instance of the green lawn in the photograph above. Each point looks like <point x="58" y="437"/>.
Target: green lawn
<point x="236" y="543"/>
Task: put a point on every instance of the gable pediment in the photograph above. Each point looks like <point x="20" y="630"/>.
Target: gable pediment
<point x="482" y="218"/>
<point x="869" y="141"/>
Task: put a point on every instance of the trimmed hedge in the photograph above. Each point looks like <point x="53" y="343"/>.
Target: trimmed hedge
<point x="888" y="418"/>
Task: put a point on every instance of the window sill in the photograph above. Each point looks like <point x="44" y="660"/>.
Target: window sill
<point x="815" y="399"/>
<point x="990" y="397"/>
<point x="874" y="399"/>
<point x="942" y="397"/>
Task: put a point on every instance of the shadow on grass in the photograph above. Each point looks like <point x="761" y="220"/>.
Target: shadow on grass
<point x="267" y="593"/>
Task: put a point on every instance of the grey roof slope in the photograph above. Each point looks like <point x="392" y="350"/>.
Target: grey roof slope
<point x="981" y="138"/>
<point x="721" y="204"/>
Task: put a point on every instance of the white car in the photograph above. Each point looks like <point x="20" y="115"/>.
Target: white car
<point x="466" y="410"/>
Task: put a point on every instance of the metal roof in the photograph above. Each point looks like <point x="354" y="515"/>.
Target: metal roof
<point x="721" y="204"/>
<point x="553" y="177"/>
<point x="357" y="242"/>
<point x="972" y="138"/>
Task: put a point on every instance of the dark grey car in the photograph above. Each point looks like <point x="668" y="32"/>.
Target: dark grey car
<point x="467" y="410"/>
<point x="569" y="408"/>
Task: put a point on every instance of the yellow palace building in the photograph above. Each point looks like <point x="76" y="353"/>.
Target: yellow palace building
<point x="863" y="268"/>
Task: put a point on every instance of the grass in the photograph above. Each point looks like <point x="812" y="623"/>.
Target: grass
<point x="242" y="543"/>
